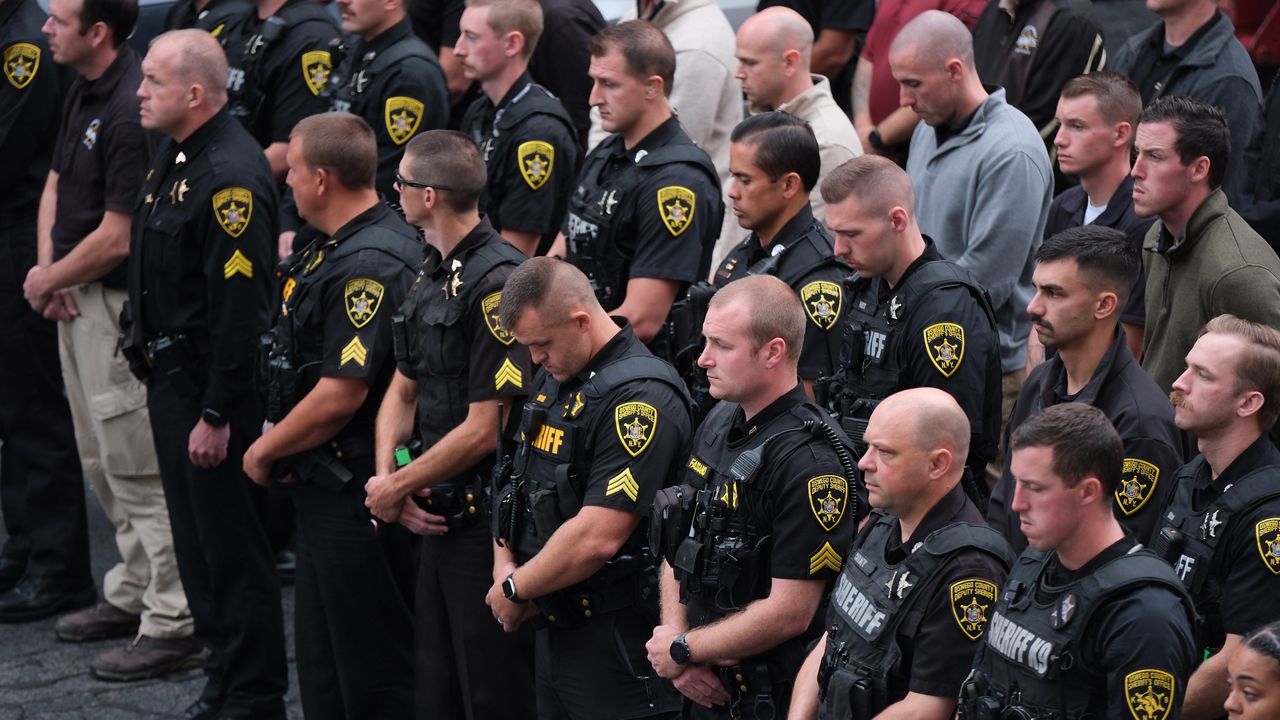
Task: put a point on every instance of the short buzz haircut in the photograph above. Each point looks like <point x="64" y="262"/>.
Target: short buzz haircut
<point x="448" y="159"/>
<point x="784" y="144"/>
<point x="646" y="50"/>
<point x="1258" y="365"/>
<point x="342" y="145"/>
<point x="118" y="15"/>
<point x="773" y="310"/>
<point x="1116" y="95"/>
<point x="877" y="182"/>
<point x="547" y="285"/>
<point x="1202" y="131"/>
<point x="1105" y="257"/>
<point x="522" y="16"/>
<point x="1082" y="440"/>
<point x="199" y="60"/>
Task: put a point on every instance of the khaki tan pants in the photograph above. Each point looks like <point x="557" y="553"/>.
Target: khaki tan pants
<point x="1010" y="386"/>
<point x="118" y="455"/>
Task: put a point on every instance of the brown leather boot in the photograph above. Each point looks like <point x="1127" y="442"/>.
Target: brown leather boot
<point x="147" y="657"/>
<point x="98" y="622"/>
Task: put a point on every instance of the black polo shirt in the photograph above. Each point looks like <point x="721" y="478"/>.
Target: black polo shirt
<point x="101" y="156"/>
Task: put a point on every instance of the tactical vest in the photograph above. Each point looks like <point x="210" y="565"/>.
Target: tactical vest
<point x="543" y="488"/>
<point x="1189" y="538"/>
<point x="219" y="20"/>
<point x="872" y="597"/>
<point x="347" y="85"/>
<point x="601" y="211"/>
<point x="1030" y="663"/>
<point x="245" y="94"/>
<point x="873" y="339"/>
<point x="533" y="99"/>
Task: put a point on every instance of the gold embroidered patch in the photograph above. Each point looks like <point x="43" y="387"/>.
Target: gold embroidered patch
<point x="402" y="115"/>
<point x="489" y="306"/>
<point x="635" y="423"/>
<point x="535" y="160"/>
<point x="728" y="496"/>
<point x="945" y="344"/>
<point x="1149" y="694"/>
<point x="970" y="599"/>
<point x="21" y="62"/>
<point x="287" y="291"/>
<point x="508" y="374"/>
<point x="232" y="208"/>
<point x="363" y="297"/>
<point x="218" y="30"/>
<point x="1268" y="533"/>
<point x="313" y="262"/>
<point x="354" y="351"/>
<point x="822" y="302"/>
<point x="826" y="557"/>
<point x="827" y="497"/>
<point x="698" y="466"/>
<point x="574" y="407"/>
<point x="237" y="264"/>
<point x="1137" y="485"/>
<point x="625" y="483"/>
<point x="676" y="205"/>
<point x="317" y="65"/>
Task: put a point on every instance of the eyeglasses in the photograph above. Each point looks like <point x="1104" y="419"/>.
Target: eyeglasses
<point x="401" y="182"/>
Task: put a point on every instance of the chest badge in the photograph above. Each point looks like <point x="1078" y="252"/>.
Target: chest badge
<point x="970" y="599"/>
<point x="317" y="65"/>
<point x="608" y="199"/>
<point x="489" y="306"/>
<point x="635" y="423"/>
<point x="822" y="302"/>
<point x="1268" y="534"/>
<point x="894" y="307"/>
<point x="363" y="296"/>
<point x="232" y="208"/>
<point x="402" y="116"/>
<point x="945" y="344"/>
<point x="178" y="192"/>
<point x="574" y="407"/>
<point x="91" y="133"/>
<point x="1149" y="693"/>
<point x="1138" y="482"/>
<point x="676" y="206"/>
<point x="828" y="495"/>
<point x="21" y="62"/>
<point x="535" y="159"/>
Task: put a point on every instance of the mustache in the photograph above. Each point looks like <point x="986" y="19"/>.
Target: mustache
<point x="1040" y="321"/>
<point x="1178" y="400"/>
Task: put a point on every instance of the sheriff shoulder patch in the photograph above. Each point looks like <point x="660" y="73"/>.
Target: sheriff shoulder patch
<point x="1137" y="484"/>
<point x="535" y="159"/>
<point x="21" y="62"/>
<point x="355" y="351"/>
<point x="489" y="306"/>
<point x="822" y="301"/>
<point x="635" y="423"/>
<point x="1268" y="533"/>
<point x="970" y="599"/>
<point x="945" y="344"/>
<point x="237" y="264"/>
<point x="625" y="483"/>
<point x="232" y="208"/>
<point x="508" y="374"/>
<point x="317" y="65"/>
<point x="1149" y="694"/>
<point x="676" y="206"/>
<point x="402" y="116"/>
<point x="826" y="558"/>
<point x="363" y="297"/>
<point x="827" y="496"/>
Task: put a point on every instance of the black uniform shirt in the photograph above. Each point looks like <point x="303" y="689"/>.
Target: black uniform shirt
<point x="932" y="624"/>
<point x="1140" y="632"/>
<point x="1141" y="414"/>
<point x="436" y="21"/>
<point x="203" y="251"/>
<point x="101" y="155"/>
<point x="30" y="97"/>
<point x="1249" y="569"/>
<point x="822" y="333"/>
<point x="560" y="61"/>
<point x="528" y="193"/>
<point x="1067" y="211"/>
<point x="183" y="14"/>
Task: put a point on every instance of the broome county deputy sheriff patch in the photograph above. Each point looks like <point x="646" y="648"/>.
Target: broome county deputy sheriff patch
<point x="232" y="208"/>
<point x="1137" y="485"/>
<point x="676" y="205"/>
<point x="21" y="61"/>
<point x="402" y="116"/>
<point x="970" y="600"/>
<point x="945" y="344"/>
<point x="827" y="496"/>
<point x="316" y="68"/>
<point x="1149" y="694"/>
<point x="362" y="296"/>
<point x="635" y="423"/>
<point x="1268" y="534"/>
<point x="822" y="302"/>
<point x="535" y="160"/>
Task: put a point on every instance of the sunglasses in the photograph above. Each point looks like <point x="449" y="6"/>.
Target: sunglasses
<point x="402" y="182"/>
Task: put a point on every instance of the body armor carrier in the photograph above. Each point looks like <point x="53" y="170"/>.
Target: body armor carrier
<point x="869" y="602"/>
<point x="245" y="97"/>
<point x="1189" y="538"/>
<point x="431" y="335"/>
<point x="215" y="20"/>
<point x="1030" y="665"/>
<point x="596" y="224"/>
<point x="353" y="75"/>
<point x="541" y="488"/>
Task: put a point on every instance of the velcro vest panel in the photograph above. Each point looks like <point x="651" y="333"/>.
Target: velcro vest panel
<point x="347" y="84"/>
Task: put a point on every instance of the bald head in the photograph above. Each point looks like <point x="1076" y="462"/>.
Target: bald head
<point x="196" y="59"/>
<point x="934" y="420"/>
<point x="934" y="38"/>
<point x="778" y="29"/>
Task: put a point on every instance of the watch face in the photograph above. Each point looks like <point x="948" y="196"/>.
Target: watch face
<point x="509" y="588"/>
<point x="680" y="650"/>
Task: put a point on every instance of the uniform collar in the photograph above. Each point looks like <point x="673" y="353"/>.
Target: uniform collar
<point x="611" y="351"/>
<point x="1057" y="576"/>
<point x="661" y="136"/>
<point x="369" y="217"/>
<point x="106" y="84"/>
<point x="943" y="513"/>
<point x="1116" y="357"/>
<point x="198" y="140"/>
<point x="516" y="88"/>
<point x="930" y="254"/>
<point x="788" y="234"/>
<point x="1261" y="453"/>
<point x="389" y="37"/>
<point x="743" y="429"/>
<point x="479" y="235"/>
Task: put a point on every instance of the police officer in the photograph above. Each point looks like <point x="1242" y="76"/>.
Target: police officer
<point x="647" y="209"/>
<point x="1221" y="529"/>
<point x="528" y="139"/>
<point x="908" y="610"/>
<point x="912" y="318"/>
<point x="210" y="15"/>
<point x="772" y="494"/>
<point x="458" y="373"/>
<point x="607" y="425"/>
<point x="330" y="362"/>
<point x="200" y="293"/>
<point x="1082" y="278"/>
<point x="388" y="77"/>
<point x="1089" y="623"/>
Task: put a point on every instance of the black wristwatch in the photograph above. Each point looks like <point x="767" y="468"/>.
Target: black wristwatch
<point x="213" y="417"/>
<point x="509" y="589"/>
<point x="876" y="142"/>
<point x="680" y="650"/>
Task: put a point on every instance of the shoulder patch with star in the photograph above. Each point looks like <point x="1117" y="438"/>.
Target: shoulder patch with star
<point x="233" y="208"/>
<point x="1149" y="694"/>
<point x="944" y="342"/>
<point x="489" y="306"/>
<point x="822" y="300"/>
<point x="402" y="116"/>
<point x="1138" y="482"/>
<point x="535" y="160"/>
<point x="362" y="297"/>
<point x="635" y="423"/>
<point x="827" y="498"/>
<point x="317" y="65"/>
<point x="676" y="206"/>
<point x="1267" y="533"/>
<point x="21" y="63"/>
<point x="971" y="598"/>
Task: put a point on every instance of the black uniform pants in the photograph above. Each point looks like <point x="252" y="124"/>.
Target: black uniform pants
<point x="224" y="558"/>
<point x="467" y="666"/>
<point x="601" y="670"/>
<point x="42" y="490"/>
<point x="352" y="622"/>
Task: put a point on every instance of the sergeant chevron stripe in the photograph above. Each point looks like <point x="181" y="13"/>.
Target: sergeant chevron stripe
<point x="825" y="557"/>
<point x="238" y="264"/>
<point x="623" y="482"/>
<point x="508" y="374"/>
<point x="355" y="350"/>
